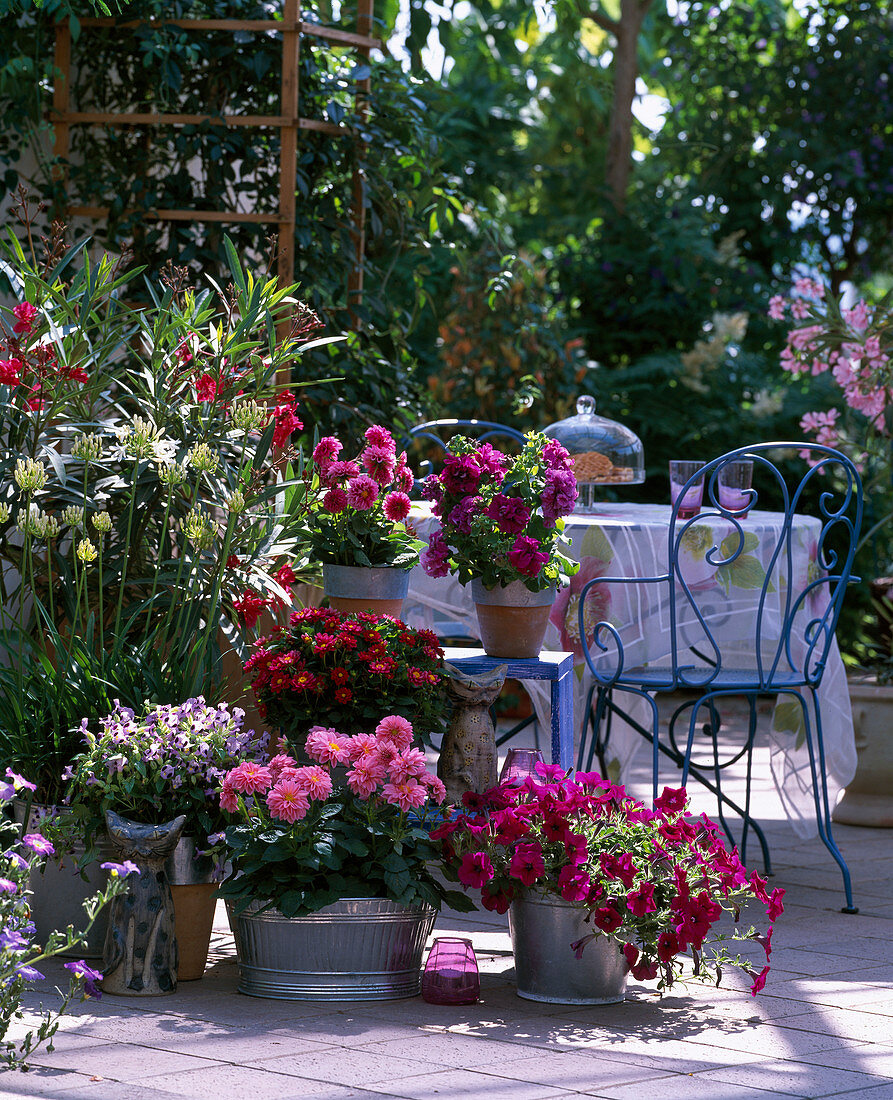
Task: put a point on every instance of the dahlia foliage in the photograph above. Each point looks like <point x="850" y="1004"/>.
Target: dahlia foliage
<point x="353" y="823"/>
<point x="653" y="879"/>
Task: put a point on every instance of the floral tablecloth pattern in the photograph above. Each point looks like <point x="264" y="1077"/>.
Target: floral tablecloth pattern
<point x="630" y="540"/>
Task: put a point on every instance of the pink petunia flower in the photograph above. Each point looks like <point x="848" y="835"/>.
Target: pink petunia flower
<point x="475" y="870"/>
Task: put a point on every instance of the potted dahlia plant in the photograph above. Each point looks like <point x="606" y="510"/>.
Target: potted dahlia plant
<point x="154" y="765"/>
<point x="355" y="514"/>
<point x="348" y="670"/>
<point x="333" y="890"/>
<point x="502" y="528"/>
<point x="611" y="886"/>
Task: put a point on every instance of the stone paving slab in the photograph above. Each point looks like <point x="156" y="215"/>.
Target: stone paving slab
<point x="822" y="1027"/>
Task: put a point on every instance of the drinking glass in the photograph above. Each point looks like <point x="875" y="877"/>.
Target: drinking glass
<point x="734" y="485"/>
<point x="451" y="974"/>
<point x="519" y="764"/>
<point x="680" y="471"/>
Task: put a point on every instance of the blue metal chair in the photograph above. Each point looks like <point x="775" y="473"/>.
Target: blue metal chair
<point x="425" y="443"/>
<point x="788" y="657"/>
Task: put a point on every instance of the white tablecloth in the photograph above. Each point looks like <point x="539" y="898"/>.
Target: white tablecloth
<point x="630" y="540"/>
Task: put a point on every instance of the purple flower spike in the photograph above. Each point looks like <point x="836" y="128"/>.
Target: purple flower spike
<point x="121" y="870"/>
<point x="81" y="970"/>
<point x="38" y="843"/>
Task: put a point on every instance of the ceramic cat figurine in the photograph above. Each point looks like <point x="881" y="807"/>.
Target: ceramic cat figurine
<point x="467" y="759"/>
<point x="141" y="955"/>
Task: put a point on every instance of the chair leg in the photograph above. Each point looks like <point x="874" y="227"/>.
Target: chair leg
<point x="595" y="722"/>
<point x="711" y="728"/>
<point x="820" y="794"/>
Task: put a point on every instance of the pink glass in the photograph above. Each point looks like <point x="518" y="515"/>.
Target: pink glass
<point x="735" y="479"/>
<point x="519" y="764"/>
<point x="680" y="471"/>
<point x="451" y="973"/>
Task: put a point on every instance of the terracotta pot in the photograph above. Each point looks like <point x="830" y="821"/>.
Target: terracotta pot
<point x="868" y="798"/>
<point x="512" y="620"/>
<point x="193" y="880"/>
<point x="194" y="908"/>
<point x="354" y="588"/>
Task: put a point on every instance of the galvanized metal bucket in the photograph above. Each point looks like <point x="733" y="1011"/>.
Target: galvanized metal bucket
<point x="352" y="588"/>
<point x="358" y="949"/>
<point x="546" y="969"/>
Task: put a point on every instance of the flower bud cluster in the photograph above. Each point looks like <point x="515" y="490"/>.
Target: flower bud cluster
<point x="200" y="530"/>
<point x="86" y="552"/>
<point x="73" y="515"/>
<point x="102" y="521"/>
<point x="87" y="447"/>
<point x="203" y="458"/>
<point x="250" y="416"/>
<point x="30" y="475"/>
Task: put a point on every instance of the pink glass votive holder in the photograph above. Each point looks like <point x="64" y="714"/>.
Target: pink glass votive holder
<point x="681" y="470"/>
<point x="519" y="764"/>
<point x="451" y="974"/>
<point x="735" y="479"/>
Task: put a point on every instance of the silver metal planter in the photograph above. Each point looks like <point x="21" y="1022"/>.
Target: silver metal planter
<point x="358" y="949"/>
<point x="546" y="969"/>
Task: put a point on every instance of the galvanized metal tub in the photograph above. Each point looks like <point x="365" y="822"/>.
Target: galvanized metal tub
<point x="357" y="949"/>
<point x="546" y="969"/>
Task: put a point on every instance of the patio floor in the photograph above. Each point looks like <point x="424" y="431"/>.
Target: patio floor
<point x="823" y="1026"/>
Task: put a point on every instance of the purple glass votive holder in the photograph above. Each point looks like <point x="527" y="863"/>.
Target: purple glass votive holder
<point x="451" y="974"/>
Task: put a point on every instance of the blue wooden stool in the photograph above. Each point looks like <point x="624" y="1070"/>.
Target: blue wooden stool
<point x="556" y="667"/>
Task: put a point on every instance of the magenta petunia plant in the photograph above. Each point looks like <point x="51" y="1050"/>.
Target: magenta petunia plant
<point x="356" y="510"/>
<point x="655" y="880"/>
<point x="354" y="822"/>
<point x="501" y="517"/>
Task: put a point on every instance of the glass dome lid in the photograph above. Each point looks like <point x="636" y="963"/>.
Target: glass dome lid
<point x="604" y="452"/>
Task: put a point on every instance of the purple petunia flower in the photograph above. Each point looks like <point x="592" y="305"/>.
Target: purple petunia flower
<point x="121" y="870"/>
<point x="19" y="782"/>
<point x="81" y="970"/>
<point x="7" y="886"/>
<point x="37" y="843"/>
<point x="13" y="940"/>
<point x="29" y="973"/>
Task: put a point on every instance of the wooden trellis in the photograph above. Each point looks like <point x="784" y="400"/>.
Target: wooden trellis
<point x="288" y="122"/>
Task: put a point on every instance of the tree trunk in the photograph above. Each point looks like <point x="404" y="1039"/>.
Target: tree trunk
<point x="626" y="70"/>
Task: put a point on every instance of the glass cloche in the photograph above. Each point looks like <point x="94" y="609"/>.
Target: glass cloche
<point x="604" y="452"/>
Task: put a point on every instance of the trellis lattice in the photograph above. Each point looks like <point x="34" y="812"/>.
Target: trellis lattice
<point x="288" y="121"/>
